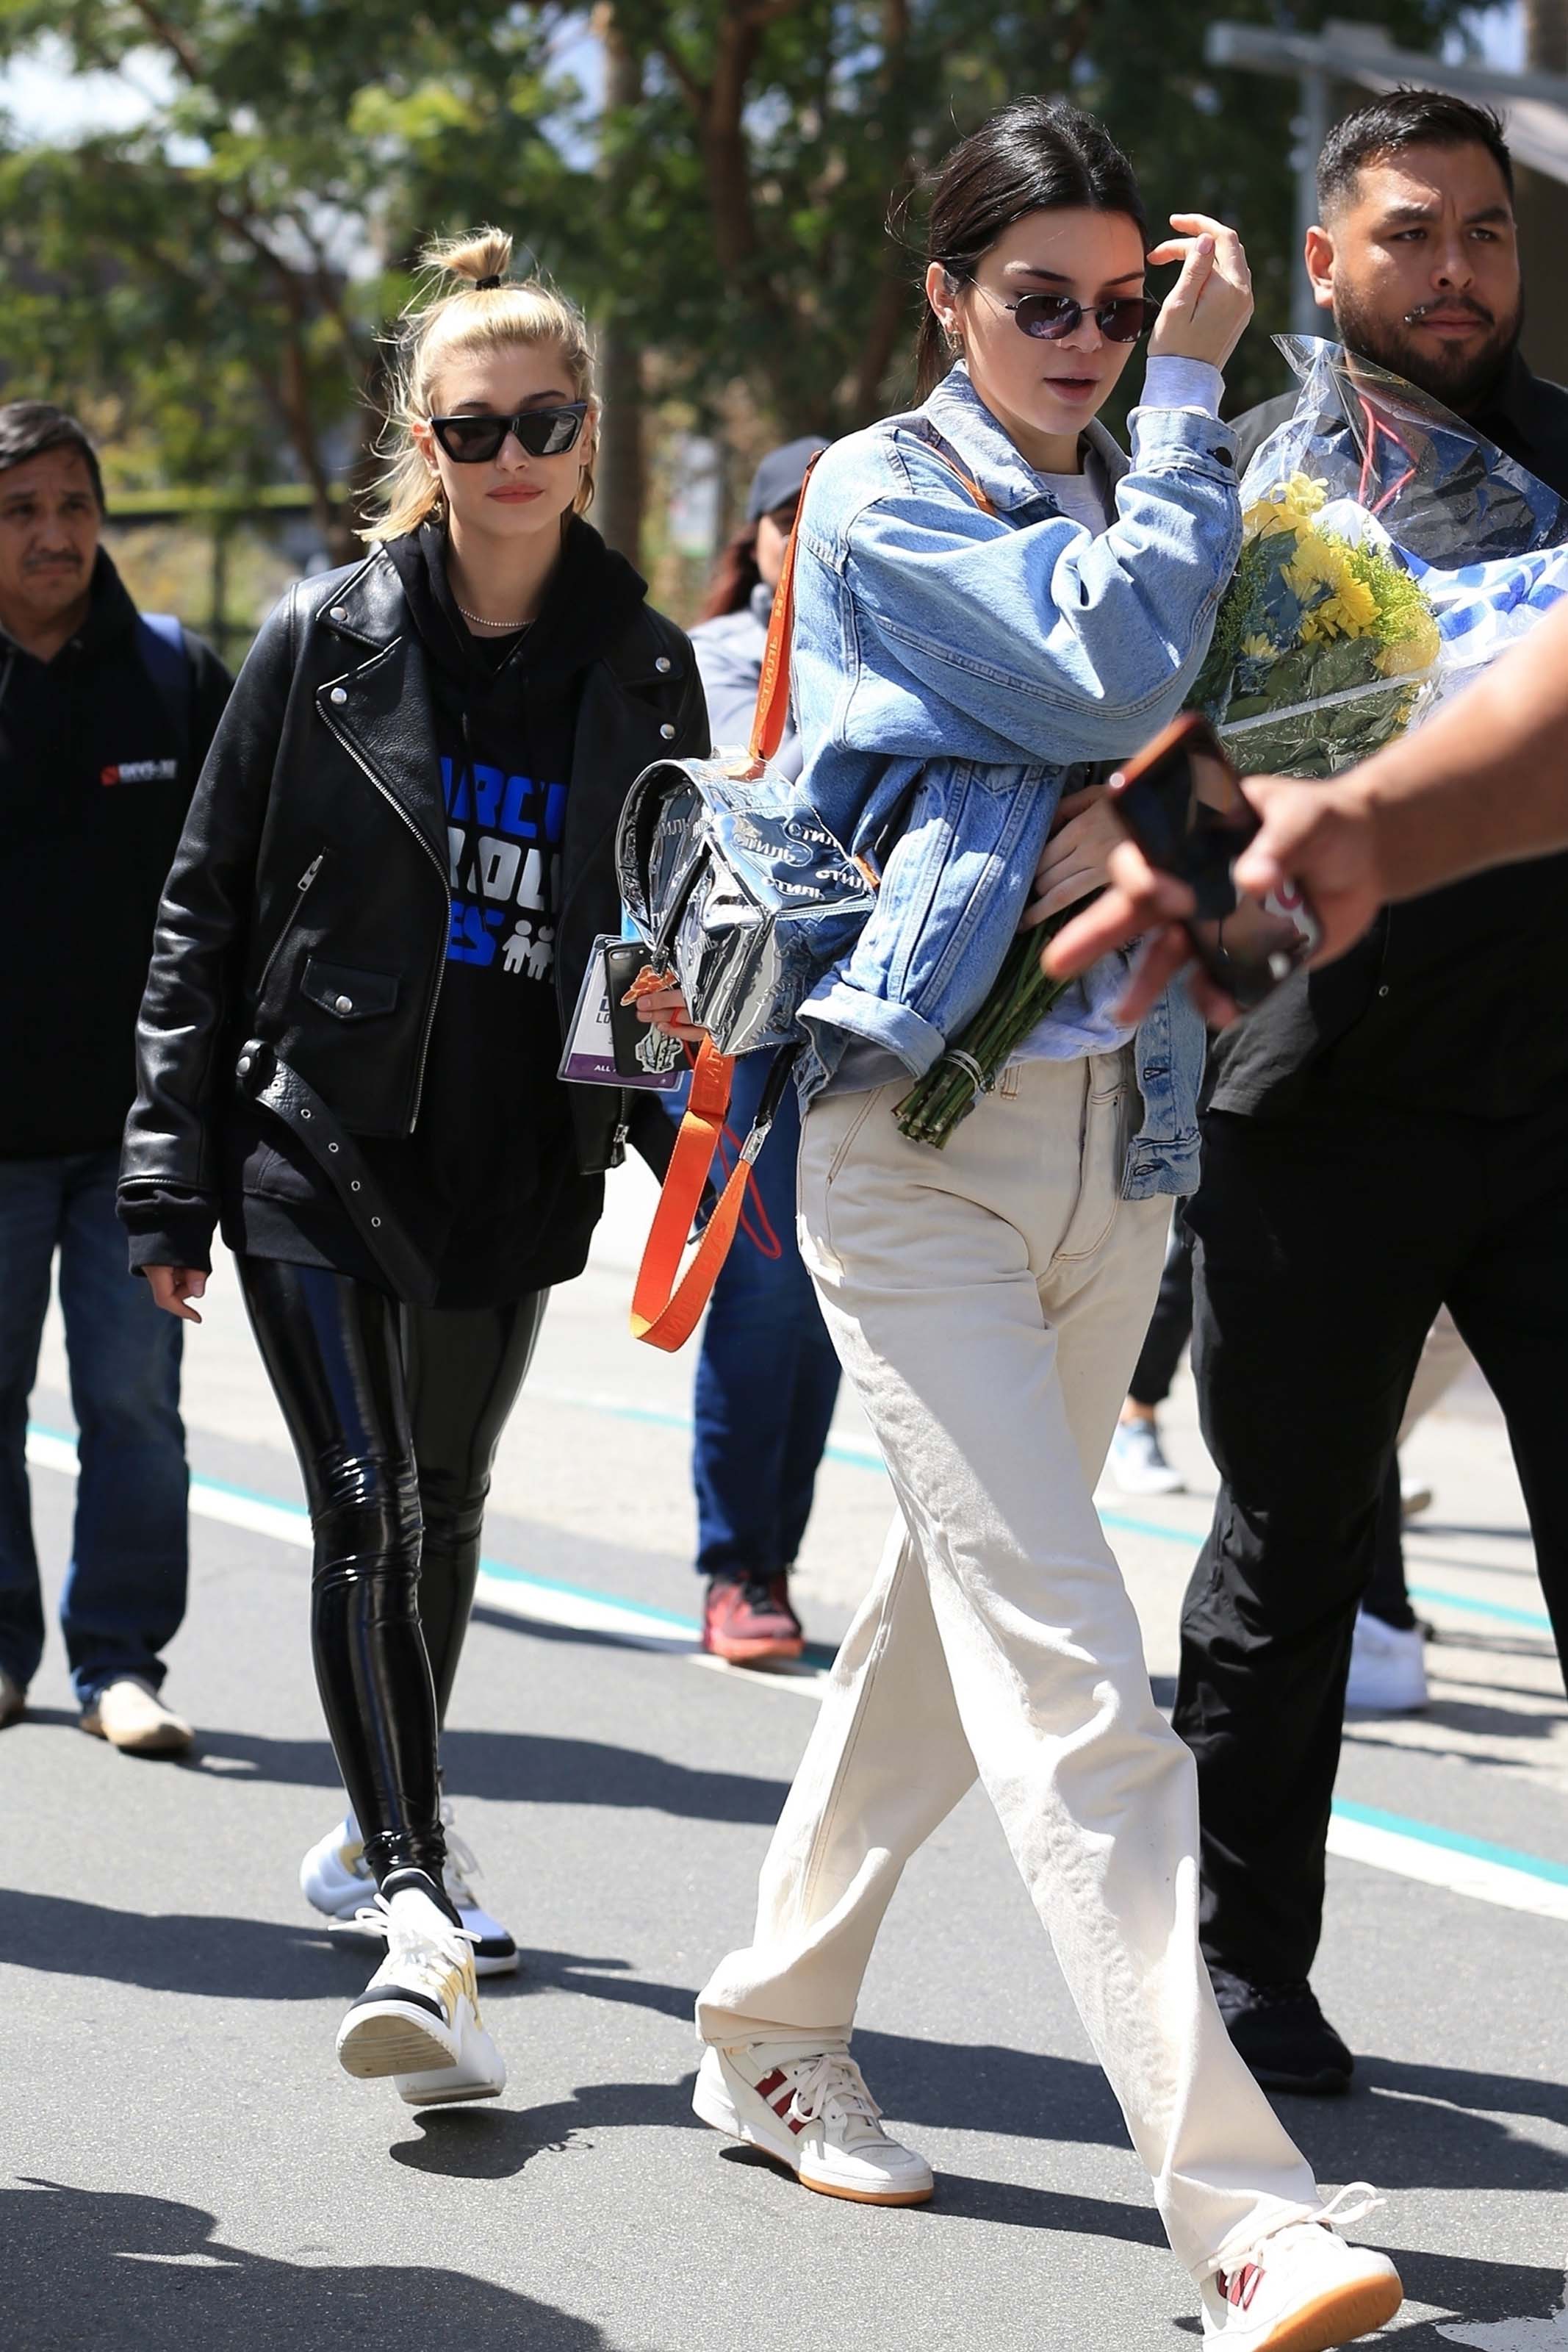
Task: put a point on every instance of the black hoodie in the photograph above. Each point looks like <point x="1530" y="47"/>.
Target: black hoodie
<point x="96" y="768"/>
<point x="488" y="1182"/>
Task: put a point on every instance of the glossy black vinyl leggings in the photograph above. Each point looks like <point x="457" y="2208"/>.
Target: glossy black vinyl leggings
<point x="395" y="1412"/>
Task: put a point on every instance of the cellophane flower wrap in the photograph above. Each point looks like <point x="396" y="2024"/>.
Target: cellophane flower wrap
<point x="1388" y="554"/>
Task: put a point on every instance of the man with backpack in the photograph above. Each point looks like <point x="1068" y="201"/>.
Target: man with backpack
<point x="105" y="719"/>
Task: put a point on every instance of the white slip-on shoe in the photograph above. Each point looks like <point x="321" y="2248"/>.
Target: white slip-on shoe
<point x="337" y="1880"/>
<point x="1300" y="2288"/>
<point x="1387" y="1667"/>
<point x="418" y="2019"/>
<point x="1138" y="1463"/>
<point x="810" y="2110"/>
<point x="129" y="1713"/>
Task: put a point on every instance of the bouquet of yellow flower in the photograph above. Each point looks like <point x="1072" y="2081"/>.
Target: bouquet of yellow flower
<point x="1324" y="639"/>
<point x="1387" y="553"/>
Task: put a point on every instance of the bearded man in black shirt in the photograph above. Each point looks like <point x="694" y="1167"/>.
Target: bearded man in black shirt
<point x="1382" y="1138"/>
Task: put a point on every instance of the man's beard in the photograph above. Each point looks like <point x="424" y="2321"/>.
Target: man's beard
<point x="1461" y="377"/>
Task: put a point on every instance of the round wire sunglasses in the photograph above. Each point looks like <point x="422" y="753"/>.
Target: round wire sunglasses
<point x="1051" y="316"/>
<point x="542" y="432"/>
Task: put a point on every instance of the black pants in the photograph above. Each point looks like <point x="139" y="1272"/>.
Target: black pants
<point x="1170" y="1326"/>
<point x="395" y="1414"/>
<point x="1324" y="1247"/>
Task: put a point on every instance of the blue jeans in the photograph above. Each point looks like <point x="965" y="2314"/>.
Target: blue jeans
<point x="125" y="1589"/>
<point x="766" y="1377"/>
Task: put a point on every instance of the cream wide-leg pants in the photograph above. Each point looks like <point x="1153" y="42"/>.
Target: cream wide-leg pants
<point x="989" y="1302"/>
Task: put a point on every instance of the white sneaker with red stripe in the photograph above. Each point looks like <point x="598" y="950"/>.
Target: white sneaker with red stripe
<point x="1300" y="2288"/>
<point x="809" y="2108"/>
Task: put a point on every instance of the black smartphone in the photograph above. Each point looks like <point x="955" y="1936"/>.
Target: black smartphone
<point x="639" y="1050"/>
<point x="1181" y="801"/>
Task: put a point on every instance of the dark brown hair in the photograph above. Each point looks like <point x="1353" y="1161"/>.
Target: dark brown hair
<point x="734" y="575"/>
<point x="1039" y="154"/>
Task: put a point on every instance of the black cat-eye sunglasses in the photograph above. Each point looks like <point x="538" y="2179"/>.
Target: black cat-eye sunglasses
<point x="542" y="432"/>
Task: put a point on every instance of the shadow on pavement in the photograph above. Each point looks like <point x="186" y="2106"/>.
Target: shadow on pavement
<point x="1434" y="2127"/>
<point x="230" y="1960"/>
<point x="495" y="2143"/>
<point x="141" y="2274"/>
<point x="531" y="1767"/>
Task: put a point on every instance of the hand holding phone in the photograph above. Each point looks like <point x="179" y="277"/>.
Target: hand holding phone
<point x="1181" y="802"/>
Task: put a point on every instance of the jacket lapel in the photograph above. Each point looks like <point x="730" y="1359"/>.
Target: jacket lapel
<point x="380" y="708"/>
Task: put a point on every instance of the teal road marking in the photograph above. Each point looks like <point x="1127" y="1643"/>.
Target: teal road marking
<point x="1536" y="1619"/>
<point x="1425" y="1832"/>
<point x="1506" y="1857"/>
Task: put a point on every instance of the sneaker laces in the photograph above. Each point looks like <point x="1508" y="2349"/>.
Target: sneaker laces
<point x="416" y="1953"/>
<point x="462" y="1864"/>
<point x="1350" y="2205"/>
<point x="833" y="2088"/>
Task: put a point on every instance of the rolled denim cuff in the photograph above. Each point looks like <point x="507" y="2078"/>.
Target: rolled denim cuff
<point x="1165" y="437"/>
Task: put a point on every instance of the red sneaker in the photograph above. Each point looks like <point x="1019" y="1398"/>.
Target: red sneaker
<point x="747" y="1620"/>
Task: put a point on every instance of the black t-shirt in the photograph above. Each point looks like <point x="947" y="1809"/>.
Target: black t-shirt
<point x="97" y="762"/>
<point x="487" y="1185"/>
<point x="1452" y="1002"/>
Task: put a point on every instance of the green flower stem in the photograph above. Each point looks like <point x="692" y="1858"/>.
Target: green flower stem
<point x="1022" y="995"/>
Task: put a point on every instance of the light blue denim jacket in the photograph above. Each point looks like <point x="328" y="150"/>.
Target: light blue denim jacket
<point x="953" y="669"/>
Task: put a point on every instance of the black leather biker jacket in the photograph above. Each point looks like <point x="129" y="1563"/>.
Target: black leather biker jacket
<point x="271" y="952"/>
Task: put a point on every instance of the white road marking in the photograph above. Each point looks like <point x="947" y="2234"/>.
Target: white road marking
<point x="1417" y="1852"/>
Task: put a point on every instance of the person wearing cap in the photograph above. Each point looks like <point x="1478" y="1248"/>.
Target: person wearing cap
<point x="766" y="1377"/>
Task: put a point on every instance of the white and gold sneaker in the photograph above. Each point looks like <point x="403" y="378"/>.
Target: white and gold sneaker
<point x="1300" y="2287"/>
<point x="418" y="2019"/>
<point x="336" y="1880"/>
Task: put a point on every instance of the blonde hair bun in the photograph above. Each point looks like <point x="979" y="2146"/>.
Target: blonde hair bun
<point x="480" y="254"/>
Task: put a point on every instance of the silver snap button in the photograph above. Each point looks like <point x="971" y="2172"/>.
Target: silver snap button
<point x="354" y="1184"/>
<point x="303" y="1112"/>
<point x="332" y="1147"/>
<point x="338" y="612"/>
<point x="376" y="1222"/>
<point x="340" y="694"/>
<point x="667" y="731"/>
<point x="1384" y="990"/>
<point x="343" y="1004"/>
<point x="244" y="1061"/>
<point x="664" y="664"/>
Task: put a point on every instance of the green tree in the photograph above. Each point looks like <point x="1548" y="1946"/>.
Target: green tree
<point x="217" y="277"/>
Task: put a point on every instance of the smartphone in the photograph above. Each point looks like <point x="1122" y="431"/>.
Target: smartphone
<point x="1181" y="801"/>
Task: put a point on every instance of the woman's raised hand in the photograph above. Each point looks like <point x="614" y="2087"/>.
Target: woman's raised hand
<point x="1205" y="313"/>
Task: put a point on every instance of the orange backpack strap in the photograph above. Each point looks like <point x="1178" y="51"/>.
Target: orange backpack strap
<point x="667" y="1305"/>
<point x="772" y="712"/>
<point x="666" y="1311"/>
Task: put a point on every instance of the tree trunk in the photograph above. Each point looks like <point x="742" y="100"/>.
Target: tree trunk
<point x="622" y="469"/>
<point x="1546" y="36"/>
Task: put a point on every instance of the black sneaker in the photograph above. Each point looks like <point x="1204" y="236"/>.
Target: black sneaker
<point x="1283" y="2035"/>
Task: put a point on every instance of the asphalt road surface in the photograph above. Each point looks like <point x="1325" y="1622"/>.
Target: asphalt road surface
<point x="185" y="2169"/>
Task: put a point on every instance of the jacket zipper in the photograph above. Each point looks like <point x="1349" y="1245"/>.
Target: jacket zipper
<point x="301" y="889"/>
<point x="395" y="803"/>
